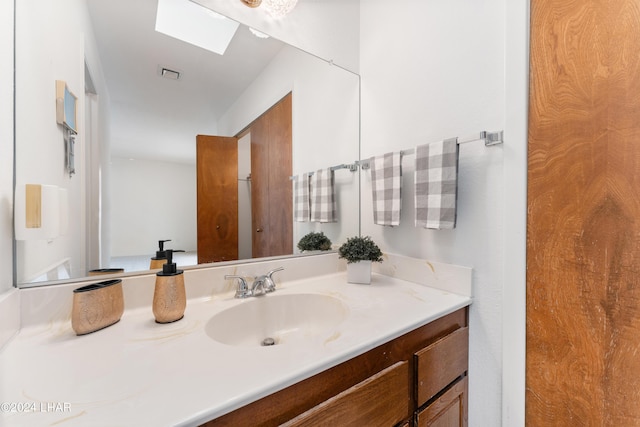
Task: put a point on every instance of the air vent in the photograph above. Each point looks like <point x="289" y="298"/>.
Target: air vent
<point x="168" y="73"/>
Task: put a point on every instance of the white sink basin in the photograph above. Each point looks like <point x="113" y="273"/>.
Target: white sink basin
<point x="286" y="319"/>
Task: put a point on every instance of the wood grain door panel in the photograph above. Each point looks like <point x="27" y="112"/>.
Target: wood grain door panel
<point x="260" y="187"/>
<point x="583" y="222"/>
<point x="271" y="191"/>
<point x="280" y="186"/>
<point x="217" y="198"/>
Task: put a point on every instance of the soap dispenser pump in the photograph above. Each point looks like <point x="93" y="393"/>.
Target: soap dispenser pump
<point x="161" y="256"/>
<point x="169" y="297"/>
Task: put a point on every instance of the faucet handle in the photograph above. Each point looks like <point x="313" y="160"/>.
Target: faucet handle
<point x="243" y="289"/>
<point x="274" y="270"/>
<point x="270" y="285"/>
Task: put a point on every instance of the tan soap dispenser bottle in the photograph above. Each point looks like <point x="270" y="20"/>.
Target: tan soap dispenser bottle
<point x="169" y="297"/>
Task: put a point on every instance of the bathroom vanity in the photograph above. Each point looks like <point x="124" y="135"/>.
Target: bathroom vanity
<point x="387" y="353"/>
<point x="419" y="378"/>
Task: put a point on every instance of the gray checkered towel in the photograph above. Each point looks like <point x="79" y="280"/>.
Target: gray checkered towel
<point x="436" y="184"/>
<point x="302" y="202"/>
<point x="323" y="199"/>
<point x="386" y="182"/>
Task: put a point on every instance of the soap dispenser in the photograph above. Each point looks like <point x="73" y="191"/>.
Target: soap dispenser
<point x="169" y="297"/>
<point x="161" y="256"/>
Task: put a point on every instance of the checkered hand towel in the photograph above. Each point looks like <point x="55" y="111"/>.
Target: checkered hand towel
<point x="436" y="184"/>
<point x="323" y="199"/>
<point x="386" y="182"/>
<point x="302" y="202"/>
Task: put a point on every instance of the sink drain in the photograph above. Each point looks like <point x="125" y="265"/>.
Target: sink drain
<point x="267" y="342"/>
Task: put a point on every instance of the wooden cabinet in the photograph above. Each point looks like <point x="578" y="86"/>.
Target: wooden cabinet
<point x="382" y="400"/>
<point x="447" y="410"/>
<point x="417" y="379"/>
<point x="441" y="381"/>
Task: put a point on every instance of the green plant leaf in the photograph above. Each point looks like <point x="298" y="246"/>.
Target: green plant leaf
<point x="314" y="242"/>
<point x="360" y="248"/>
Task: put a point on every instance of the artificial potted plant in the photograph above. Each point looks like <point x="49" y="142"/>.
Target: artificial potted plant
<point x="314" y="242"/>
<point x="360" y="252"/>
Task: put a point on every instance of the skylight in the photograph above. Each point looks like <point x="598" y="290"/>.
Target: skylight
<point x="194" y="24"/>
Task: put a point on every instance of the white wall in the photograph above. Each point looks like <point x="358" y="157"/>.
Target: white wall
<point x="432" y="70"/>
<point x="325" y="126"/>
<point x="41" y="59"/>
<point x="45" y="52"/>
<point x="515" y="212"/>
<point x="151" y="201"/>
<point x="6" y="145"/>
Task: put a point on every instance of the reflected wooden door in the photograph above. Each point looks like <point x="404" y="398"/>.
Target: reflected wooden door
<point x="271" y="188"/>
<point x="217" y="198"/>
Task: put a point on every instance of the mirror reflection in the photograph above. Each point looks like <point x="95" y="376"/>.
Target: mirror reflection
<point x="143" y="100"/>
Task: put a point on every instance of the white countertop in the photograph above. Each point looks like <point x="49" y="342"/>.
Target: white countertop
<point x="138" y="372"/>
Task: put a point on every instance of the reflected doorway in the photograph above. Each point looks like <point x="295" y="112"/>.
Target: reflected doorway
<point x="223" y="177"/>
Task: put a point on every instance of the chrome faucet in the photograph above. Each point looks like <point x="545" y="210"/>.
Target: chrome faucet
<point x="260" y="286"/>
<point x="242" y="290"/>
<point x="264" y="284"/>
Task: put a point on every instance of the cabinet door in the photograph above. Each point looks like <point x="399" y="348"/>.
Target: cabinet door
<point x="449" y="410"/>
<point x="381" y="400"/>
<point x="439" y="364"/>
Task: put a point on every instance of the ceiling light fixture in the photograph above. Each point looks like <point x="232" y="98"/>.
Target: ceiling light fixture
<point x="275" y="8"/>
<point x="279" y="8"/>
<point x="252" y="3"/>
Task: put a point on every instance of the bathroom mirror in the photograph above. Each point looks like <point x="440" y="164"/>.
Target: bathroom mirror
<point x="143" y="96"/>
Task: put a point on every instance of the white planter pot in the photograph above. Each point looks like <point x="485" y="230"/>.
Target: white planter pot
<point x="359" y="272"/>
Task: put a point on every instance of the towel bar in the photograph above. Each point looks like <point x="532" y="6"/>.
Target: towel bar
<point x="351" y="166"/>
<point x="489" y="138"/>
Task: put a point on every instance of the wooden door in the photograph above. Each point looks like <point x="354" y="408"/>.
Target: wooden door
<point x="259" y="188"/>
<point x="271" y="188"/>
<point x="583" y="236"/>
<point x="217" y="198"/>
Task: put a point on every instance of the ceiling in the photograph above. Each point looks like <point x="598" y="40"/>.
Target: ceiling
<point x="157" y="118"/>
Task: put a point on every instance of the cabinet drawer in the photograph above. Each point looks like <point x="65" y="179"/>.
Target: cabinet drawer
<point x="381" y="400"/>
<point x="439" y="364"/>
<point x="448" y="410"/>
